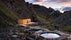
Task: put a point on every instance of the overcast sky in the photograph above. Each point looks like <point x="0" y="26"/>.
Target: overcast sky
<point x="52" y="3"/>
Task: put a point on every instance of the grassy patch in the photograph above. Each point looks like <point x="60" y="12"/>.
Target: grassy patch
<point x="67" y="28"/>
<point x="6" y="11"/>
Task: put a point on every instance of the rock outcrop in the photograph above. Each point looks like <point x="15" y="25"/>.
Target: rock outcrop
<point x="63" y="20"/>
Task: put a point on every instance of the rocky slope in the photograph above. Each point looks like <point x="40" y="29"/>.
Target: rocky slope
<point x="64" y="21"/>
<point x="19" y="7"/>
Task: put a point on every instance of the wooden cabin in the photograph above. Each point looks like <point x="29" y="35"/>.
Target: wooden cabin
<point x="24" y="21"/>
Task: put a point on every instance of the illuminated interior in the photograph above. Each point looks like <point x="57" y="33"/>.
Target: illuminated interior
<point x="24" y="21"/>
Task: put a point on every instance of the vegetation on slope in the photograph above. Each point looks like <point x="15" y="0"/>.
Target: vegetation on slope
<point x="7" y="12"/>
<point x="7" y="17"/>
<point x="67" y="28"/>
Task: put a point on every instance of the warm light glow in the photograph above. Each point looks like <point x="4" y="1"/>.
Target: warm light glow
<point x="67" y="4"/>
<point x="40" y="2"/>
<point x="24" y="21"/>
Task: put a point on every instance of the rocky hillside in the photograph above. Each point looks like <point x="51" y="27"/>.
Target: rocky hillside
<point x="48" y="14"/>
<point x="12" y="10"/>
<point x="7" y="17"/>
<point x="19" y="7"/>
<point x="63" y="22"/>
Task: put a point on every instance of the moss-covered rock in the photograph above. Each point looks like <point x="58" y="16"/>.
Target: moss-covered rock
<point x="66" y="28"/>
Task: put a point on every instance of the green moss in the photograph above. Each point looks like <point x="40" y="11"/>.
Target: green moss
<point x="40" y="16"/>
<point x="50" y="19"/>
<point x="7" y="12"/>
<point x="67" y="28"/>
<point x="64" y="28"/>
<point x="51" y="25"/>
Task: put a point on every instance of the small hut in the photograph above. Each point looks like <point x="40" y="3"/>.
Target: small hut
<point x="24" y="21"/>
